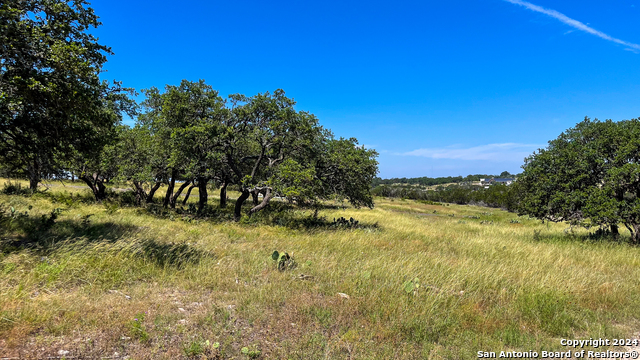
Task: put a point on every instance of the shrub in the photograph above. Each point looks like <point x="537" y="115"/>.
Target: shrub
<point x="15" y="188"/>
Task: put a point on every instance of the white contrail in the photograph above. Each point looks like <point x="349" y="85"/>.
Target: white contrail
<point x="574" y="23"/>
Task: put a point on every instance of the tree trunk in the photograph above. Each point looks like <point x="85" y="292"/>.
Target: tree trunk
<point x="614" y="230"/>
<point x="202" y="189"/>
<point x="152" y="192"/>
<point x="237" y="212"/>
<point x="263" y="204"/>
<point x="254" y="195"/>
<point x="174" y="198"/>
<point x="636" y="233"/>
<point x="33" y="182"/>
<point x="140" y="193"/>
<point x="172" y="184"/>
<point x="89" y="183"/>
<point x="101" y="190"/>
<point x="186" y="197"/>
<point x="96" y="185"/>
<point x="223" y="195"/>
<point x="34" y="176"/>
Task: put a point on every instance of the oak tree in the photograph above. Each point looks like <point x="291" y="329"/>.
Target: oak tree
<point x="589" y="175"/>
<point x="53" y="104"/>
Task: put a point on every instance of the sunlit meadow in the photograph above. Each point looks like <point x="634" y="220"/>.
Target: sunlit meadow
<point x="410" y="280"/>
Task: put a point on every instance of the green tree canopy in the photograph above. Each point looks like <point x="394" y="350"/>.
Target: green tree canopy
<point x="140" y="161"/>
<point x="589" y="175"/>
<point x="184" y="125"/>
<point x="53" y="105"/>
<point x="272" y="149"/>
<point x="260" y="144"/>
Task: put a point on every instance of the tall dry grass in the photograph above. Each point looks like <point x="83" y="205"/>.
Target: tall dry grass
<point x="101" y="281"/>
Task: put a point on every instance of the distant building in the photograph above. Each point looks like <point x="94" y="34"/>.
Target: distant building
<point x="506" y="181"/>
<point x="493" y="181"/>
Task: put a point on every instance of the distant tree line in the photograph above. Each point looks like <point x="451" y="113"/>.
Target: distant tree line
<point x="459" y="191"/>
<point x="428" y="181"/>
<point x="59" y="120"/>
<point x="498" y="196"/>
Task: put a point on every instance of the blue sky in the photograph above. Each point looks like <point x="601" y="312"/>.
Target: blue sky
<point x="438" y="88"/>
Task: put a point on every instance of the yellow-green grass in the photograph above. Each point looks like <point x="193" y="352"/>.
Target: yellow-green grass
<point x="489" y="281"/>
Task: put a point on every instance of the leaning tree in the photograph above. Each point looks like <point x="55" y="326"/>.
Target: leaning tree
<point x="274" y="150"/>
<point x="265" y="134"/>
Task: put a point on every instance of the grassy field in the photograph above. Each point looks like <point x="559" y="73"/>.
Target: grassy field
<point x="410" y="281"/>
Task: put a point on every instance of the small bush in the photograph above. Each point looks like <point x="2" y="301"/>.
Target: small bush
<point x="15" y="188"/>
<point x="12" y="219"/>
<point x="344" y="223"/>
<point x="128" y="198"/>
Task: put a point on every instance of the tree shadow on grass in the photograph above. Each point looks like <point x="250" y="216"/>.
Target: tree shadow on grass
<point x="37" y="235"/>
<point x="597" y="237"/>
<point x="30" y="231"/>
<point x="275" y="214"/>
<point x="189" y="213"/>
<point x="297" y="219"/>
<point x="169" y="254"/>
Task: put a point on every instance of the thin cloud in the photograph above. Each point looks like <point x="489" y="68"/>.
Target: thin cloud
<point x="573" y="23"/>
<point x="507" y="152"/>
